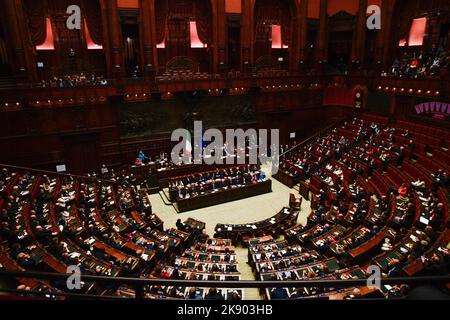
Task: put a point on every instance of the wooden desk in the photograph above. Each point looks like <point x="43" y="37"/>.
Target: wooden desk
<point x="365" y="291"/>
<point x="134" y="247"/>
<point x="283" y="219"/>
<point x="228" y="195"/>
<point x="195" y="224"/>
<point x="259" y="240"/>
<point x="115" y="253"/>
<point x="90" y="262"/>
<point x="286" y="179"/>
<point x="369" y="246"/>
<point x="417" y="266"/>
<point x="160" y="177"/>
<point x="304" y="190"/>
<point x="184" y="237"/>
<point x="11" y="265"/>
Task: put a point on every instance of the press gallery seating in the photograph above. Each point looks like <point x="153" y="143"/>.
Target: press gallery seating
<point x="128" y="135"/>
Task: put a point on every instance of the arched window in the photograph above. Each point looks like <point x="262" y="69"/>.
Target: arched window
<point x="195" y="40"/>
<point x="91" y="45"/>
<point x="417" y="32"/>
<point x="277" y="41"/>
<point x="161" y="45"/>
<point x="48" y="44"/>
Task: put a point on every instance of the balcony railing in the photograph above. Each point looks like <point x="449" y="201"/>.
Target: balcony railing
<point x="97" y="94"/>
<point x="139" y="283"/>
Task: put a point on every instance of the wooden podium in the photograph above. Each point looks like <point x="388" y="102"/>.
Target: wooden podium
<point x="304" y="190"/>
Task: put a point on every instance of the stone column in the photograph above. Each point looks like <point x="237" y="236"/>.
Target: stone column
<point x="247" y="35"/>
<point x="322" y="46"/>
<point x="359" y="35"/>
<point x="105" y="30"/>
<point x="148" y="46"/>
<point x="303" y="28"/>
<point x="115" y="34"/>
<point x="17" y="34"/>
<point x="383" y="37"/>
<point x="219" y="37"/>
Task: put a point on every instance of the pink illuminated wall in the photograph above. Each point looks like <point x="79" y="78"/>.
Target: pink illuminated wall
<point x="161" y="45"/>
<point x="195" y="40"/>
<point x="277" y="42"/>
<point x="49" y="40"/>
<point x="91" y="45"/>
<point x="417" y="32"/>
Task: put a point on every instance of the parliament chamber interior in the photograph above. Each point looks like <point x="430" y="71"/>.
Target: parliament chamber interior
<point x="350" y="200"/>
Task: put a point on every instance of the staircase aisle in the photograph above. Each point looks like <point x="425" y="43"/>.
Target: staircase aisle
<point x="246" y="273"/>
<point x="242" y="257"/>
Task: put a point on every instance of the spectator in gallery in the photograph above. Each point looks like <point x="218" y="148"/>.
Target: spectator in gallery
<point x="418" y="184"/>
<point x="438" y="263"/>
<point x="440" y="177"/>
<point x="172" y="244"/>
<point x="180" y="225"/>
<point x="279" y="294"/>
<point x="403" y="191"/>
<point x="175" y="274"/>
<point x="157" y="290"/>
<point x="387" y="246"/>
<point x="374" y="127"/>
<point x="138" y="162"/>
<point x="356" y="292"/>
<point x="395" y="269"/>
<point x="385" y="159"/>
<point x="203" y="236"/>
<point x="232" y="268"/>
<point x="141" y="156"/>
<point x="235" y="296"/>
<point x="193" y="295"/>
<point x="213" y="294"/>
<point x="104" y="171"/>
<point x="398" y="291"/>
<point x="400" y="156"/>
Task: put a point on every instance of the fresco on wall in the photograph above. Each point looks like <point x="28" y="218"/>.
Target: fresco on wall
<point x="435" y="109"/>
<point x="163" y="116"/>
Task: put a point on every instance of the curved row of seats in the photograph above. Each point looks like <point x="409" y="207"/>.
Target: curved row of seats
<point x="273" y="226"/>
<point x="372" y="204"/>
<point x="49" y="222"/>
<point x="213" y="259"/>
<point x="380" y="199"/>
